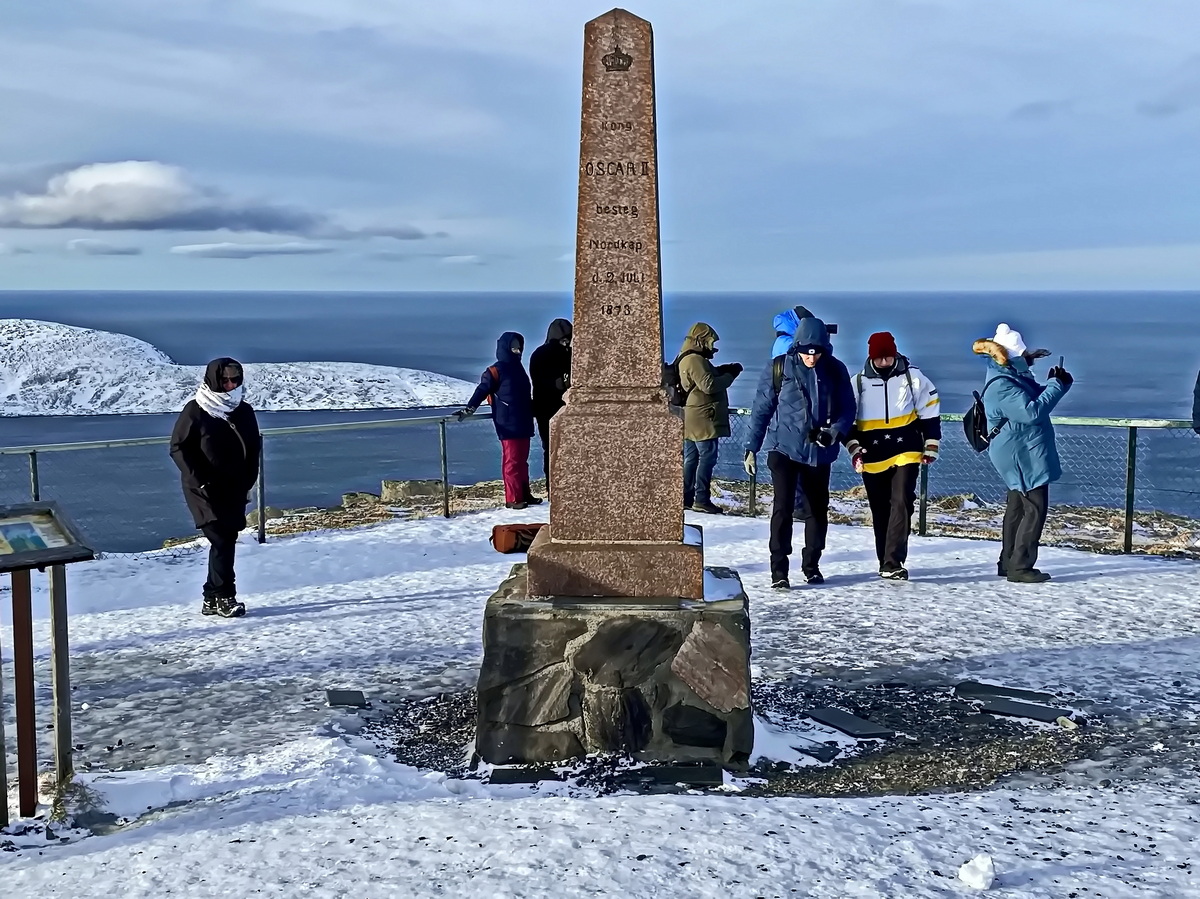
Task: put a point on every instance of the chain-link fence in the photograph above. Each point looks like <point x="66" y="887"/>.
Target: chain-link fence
<point x="1130" y="486"/>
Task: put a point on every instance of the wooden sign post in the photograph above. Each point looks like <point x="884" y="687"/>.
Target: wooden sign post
<point x="38" y="535"/>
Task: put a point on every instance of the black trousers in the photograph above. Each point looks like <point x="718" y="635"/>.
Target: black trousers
<point x="813" y="481"/>
<point x="892" y="494"/>
<point x="543" y="426"/>
<point x="1024" y="519"/>
<point x="222" y="541"/>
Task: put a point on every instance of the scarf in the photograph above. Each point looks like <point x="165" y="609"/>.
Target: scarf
<point x="219" y="405"/>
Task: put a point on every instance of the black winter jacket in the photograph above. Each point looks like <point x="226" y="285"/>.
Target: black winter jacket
<point x="550" y="370"/>
<point x="217" y="458"/>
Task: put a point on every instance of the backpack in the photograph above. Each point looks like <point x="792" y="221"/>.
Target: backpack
<point x="676" y="395"/>
<point x="495" y="373"/>
<point x="514" y="538"/>
<point x="975" y="420"/>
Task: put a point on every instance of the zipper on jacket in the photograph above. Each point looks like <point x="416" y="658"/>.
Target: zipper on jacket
<point x="887" y="412"/>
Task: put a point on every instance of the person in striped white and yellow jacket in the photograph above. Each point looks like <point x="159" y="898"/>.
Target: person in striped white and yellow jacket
<point x="898" y="430"/>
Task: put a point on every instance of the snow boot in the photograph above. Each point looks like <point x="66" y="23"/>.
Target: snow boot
<point x="209" y="606"/>
<point x="814" y="577"/>
<point x="531" y="500"/>
<point x="894" y="574"/>
<point x="780" y="583"/>
<point x="521" y="505"/>
<point x="710" y="508"/>
<point x="228" y="607"/>
<point x="1031" y="576"/>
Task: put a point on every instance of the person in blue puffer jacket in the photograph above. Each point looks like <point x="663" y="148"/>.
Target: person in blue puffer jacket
<point x="506" y="386"/>
<point x="1023" y="450"/>
<point x="803" y="412"/>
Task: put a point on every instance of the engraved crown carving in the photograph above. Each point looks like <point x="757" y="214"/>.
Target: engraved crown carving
<point x="617" y="61"/>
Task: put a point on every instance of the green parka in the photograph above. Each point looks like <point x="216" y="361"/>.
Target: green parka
<point x="706" y="412"/>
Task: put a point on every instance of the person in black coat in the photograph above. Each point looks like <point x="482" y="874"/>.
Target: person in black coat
<point x="550" y="374"/>
<point x="216" y="445"/>
<point x="505" y="385"/>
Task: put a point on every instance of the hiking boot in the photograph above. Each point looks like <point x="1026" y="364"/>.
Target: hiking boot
<point x="1030" y="576"/>
<point x="894" y="574"/>
<point x="780" y="583"/>
<point x="814" y="578"/>
<point x="708" y="507"/>
<point x="228" y="607"/>
<point x="520" y="505"/>
<point x="209" y="606"/>
<point x="532" y="500"/>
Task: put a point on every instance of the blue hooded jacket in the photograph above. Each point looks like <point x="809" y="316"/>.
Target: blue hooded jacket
<point x="1023" y="452"/>
<point x="808" y="398"/>
<point x="511" y="393"/>
<point x="786" y="323"/>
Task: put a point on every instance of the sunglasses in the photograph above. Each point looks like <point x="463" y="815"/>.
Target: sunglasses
<point x="234" y="381"/>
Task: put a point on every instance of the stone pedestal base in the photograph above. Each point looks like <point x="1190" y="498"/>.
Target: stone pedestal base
<point x="615" y="569"/>
<point x="662" y="679"/>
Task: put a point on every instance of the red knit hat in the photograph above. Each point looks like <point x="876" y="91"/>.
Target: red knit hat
<point x="881" y="345"/>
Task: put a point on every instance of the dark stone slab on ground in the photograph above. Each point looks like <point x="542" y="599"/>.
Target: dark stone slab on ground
<point x="522" y="775"/>
<point x="350" y="698"/>
<point x="1014" y="709"/>
<point x="859" y="728"/>
<point x="970" y="689"/>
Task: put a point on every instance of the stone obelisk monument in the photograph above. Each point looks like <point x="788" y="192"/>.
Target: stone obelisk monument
<point x="614" y="637"/>
<point x="616" y="523"/>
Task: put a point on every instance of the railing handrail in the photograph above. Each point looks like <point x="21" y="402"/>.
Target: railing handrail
<point x="266" y="432"/>
<point x="1077" y="422"/>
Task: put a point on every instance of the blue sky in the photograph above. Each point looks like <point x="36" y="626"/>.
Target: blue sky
<point x="803" y="144"/>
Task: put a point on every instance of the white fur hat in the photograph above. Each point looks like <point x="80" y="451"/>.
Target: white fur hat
<point x="1009" y="339"/>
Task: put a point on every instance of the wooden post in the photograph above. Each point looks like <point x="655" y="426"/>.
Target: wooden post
<point x="60" y="664"/>
<point x="23" y="694"/>
<point x="3" y="751"/>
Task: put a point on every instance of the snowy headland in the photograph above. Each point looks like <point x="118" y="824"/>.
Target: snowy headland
<point x="210" y="738"/>
<point x="48" y="368"/>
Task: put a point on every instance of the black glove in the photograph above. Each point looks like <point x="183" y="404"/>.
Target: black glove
<point x="735" y="367"/>
<point x="462" y="413"/>
<point x="822" y="437"/>
<point x="1062" y="375"/>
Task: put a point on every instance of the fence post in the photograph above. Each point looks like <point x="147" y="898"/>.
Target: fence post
<point x="23" y="694"/>
<point x="1130" y="482"/>
<point x="35" y="487"/>
<point x="445" y="470"/>
<point x="923" y="496"/>
<point x="261" y="489"/>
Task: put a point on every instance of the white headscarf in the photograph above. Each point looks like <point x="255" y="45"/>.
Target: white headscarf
<point x="219" y="405"/>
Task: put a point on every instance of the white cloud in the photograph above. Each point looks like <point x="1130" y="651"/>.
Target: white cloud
<point x="91" y="247"/>
<point x="470" y="259"/>
<point x="139" y="195"/>
<point x="249" y="250"/>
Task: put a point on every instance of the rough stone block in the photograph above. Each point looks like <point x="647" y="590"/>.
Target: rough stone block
<point x="665" y="679"/>
<point x="398" y="492"/>
<point x="349" y="500"/>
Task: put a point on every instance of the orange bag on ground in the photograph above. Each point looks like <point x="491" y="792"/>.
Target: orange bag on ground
<point x="514" y="538"/>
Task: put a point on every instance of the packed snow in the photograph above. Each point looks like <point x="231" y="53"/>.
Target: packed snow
<point x="237" y="779"/>
<point x="52" y="369"/>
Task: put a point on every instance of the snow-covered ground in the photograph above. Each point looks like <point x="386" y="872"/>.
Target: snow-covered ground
<point x="52" y="369"/>
<point x="247" y="786"/>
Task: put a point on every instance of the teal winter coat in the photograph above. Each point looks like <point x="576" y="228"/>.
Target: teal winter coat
<point x="1023" y="452"/>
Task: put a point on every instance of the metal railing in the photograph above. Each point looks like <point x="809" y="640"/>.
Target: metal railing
<point x="1145" y="472"/>
<point x="1128" y="484"/>
<point x="36" y="457"/>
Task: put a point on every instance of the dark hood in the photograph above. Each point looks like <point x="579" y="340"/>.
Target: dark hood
<point x="899" y="368"/>
<point x="504" y="345"/>
<point x="212" y="372"/>
<point x="811" y="331"/>
<point x="559" y="329"/>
